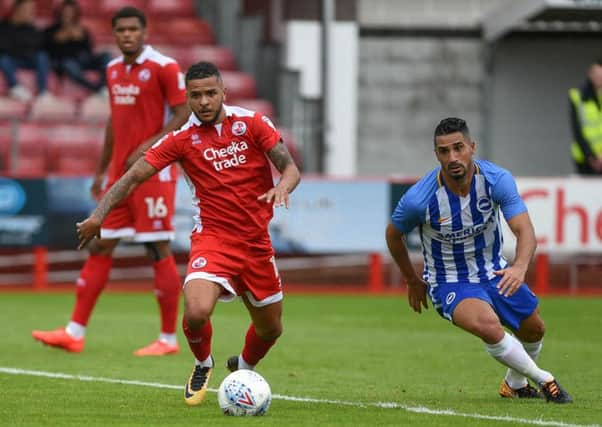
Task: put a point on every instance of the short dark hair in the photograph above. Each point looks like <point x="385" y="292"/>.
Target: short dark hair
<point x="202" y="70"/>
<point x="128" y="12"/>
<point x="451" y="125"/>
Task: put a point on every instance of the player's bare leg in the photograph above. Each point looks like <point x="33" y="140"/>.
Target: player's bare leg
<point x="265" y="328"/>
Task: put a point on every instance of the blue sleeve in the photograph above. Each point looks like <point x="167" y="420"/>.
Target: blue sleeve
<point x="505" y="194"/>
<point x="407" y="214"/>
<point x="411" y="209"/>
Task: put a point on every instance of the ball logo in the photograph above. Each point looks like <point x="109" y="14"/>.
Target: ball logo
<point x="484" y="205"/>
<point x="450" y="297"/>
<point x="144" y="75"/>
<point x="199" y="262"/>
<point x="12" y="197"/>
<point x="238" y="128"/>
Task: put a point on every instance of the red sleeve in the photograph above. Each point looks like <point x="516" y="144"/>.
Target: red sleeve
<point x="265" y="133"/>
<point x="172" y="84"/>
<point x="163" y="152"/>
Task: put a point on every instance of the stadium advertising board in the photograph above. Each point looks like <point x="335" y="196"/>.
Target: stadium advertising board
<point x="333" y="217"/>
<point x="566" y="213"/>
<point x="22" y="212"/>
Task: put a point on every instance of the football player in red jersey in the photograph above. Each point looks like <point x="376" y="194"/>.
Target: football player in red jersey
<point x="144" y="87"/>
<point x="225" y="152"/>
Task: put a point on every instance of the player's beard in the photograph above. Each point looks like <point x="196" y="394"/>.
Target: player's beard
<point x="457" y="174"/>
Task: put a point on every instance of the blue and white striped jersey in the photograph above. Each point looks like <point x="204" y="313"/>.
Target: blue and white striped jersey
<point x="461" y="236"/>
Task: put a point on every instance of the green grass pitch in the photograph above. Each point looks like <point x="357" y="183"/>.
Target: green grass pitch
<point x="355" y="351"/>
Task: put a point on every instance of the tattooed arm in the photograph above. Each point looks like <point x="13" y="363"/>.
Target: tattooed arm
<point x="289" y="178"/>
<point x="90" y="227"/>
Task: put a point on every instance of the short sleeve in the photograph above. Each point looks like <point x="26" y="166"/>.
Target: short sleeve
<point x="163" y="152"/>
<point x="408" y="214"/>
<point x="265" y="133"/>
<point x="172" y="84"/>
<point x="505" y="194"/>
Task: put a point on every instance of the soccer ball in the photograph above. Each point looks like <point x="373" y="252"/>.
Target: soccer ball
<point x="244" y="392"/>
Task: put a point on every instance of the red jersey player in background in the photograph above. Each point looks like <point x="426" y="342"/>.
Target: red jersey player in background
<point x="224" y="152"/>
<point x="142" y="84"/>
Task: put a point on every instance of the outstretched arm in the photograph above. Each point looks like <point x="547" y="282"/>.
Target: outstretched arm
<point x="90" y="227"/>
<point x="399" y="252"/>
<point x="290" y="176"/>
<point x="514" y="276"/>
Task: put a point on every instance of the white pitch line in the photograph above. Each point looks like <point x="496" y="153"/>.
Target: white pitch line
<point x="384" y="405"/>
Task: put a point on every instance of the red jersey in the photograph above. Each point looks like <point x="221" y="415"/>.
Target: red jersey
<point x="140" y="96"/>
<point x="226" y="169"/>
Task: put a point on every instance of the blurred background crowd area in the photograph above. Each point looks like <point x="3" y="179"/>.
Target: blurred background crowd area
<point x="356" y="87"/>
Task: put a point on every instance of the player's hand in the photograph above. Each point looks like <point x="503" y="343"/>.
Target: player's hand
<point x="277" y="196"/>
<point x="512" y="278"/>
<point x="87" y="230"/>
<point x="417" y="295"/>
<point x="96" y="187"/>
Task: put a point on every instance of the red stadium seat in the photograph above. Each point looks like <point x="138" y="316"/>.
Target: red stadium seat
<point x="12" y="109"/>
<point x="109" y="7"/>
<point x="262" y="106"/>
<point x="56" y="109"/>
<point x="184" y="31"/>
<point x="99" y="28"/>
<point x="187" y="55"/>
<point x="239" y="85"/>
<point x="95" y="109"/>
<point x="74" y="150"/>
<point x="170" y="8"/>
<point x="32" y="150"/>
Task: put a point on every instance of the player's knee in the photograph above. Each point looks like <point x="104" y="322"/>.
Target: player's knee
<point x="102" y="247"/>
<point x="196" y="314"/>
<point x="269" y="332"/>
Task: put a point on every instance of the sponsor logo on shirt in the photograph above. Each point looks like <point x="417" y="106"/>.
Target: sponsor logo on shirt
<point x="227" y="157"/>
<point x="239" y="128"/>
<point x="466" y="232"/>
<point x="125" y="95"/>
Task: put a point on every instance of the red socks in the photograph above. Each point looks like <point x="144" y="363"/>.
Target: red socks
<point x="255" y="348"/>
<point x="167" y="290"/>
<point x="91" y="282"/>
<point x="199" y="340"/>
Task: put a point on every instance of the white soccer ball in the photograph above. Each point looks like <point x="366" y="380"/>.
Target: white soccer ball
<point x="244" y="392"/>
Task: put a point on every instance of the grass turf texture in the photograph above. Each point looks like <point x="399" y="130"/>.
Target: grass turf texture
<point x="359" y="349"/>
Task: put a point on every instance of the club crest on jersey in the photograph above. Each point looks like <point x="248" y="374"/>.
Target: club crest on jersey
<point x="199" y="262"/>
<point x="484" y="205"/>
<point x="238" y="128"/>
<point x="195" y="139"/>
<point x="144" y="75"/>
<point x="113" y="74"/>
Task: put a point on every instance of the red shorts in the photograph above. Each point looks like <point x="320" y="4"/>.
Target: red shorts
<point x="144" y="216"/>
<point x="238" y="267"/>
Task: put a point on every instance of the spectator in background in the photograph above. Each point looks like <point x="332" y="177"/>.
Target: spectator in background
<point x="586" y="122"/>
<point x="21" y="47"/>
<point x="69" y="46"/>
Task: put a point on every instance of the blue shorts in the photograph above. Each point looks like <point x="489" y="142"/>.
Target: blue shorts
<point x="511" y="310"/>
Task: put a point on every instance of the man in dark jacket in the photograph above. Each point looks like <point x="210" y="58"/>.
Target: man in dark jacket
<point x="21" y="45"/>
